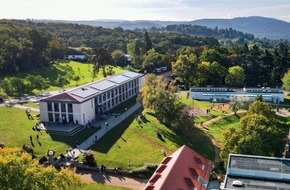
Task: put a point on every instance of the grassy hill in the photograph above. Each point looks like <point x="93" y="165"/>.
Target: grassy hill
<point x="126" y="142"/>
<point x="67" y="69"/>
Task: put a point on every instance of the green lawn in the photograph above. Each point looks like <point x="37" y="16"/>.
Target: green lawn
<point x="126" y="142"/>
<point x="15" y="130"/>
<point x="216" y="129"/>
<point x="140" y="145"/>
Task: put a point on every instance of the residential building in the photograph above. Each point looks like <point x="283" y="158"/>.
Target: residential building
<point x="223" y="94"/>
<point x="77" y="57"/>
<point x="184" y="169"/>
<point x="257" y="172"/>
<point x="84" y="104"/>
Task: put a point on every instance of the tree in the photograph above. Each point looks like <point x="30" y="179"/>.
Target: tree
<point x="18" y="171"/>
<point x="62" y="80"/>
<point x="239" y="102"/>
<point x="147" y="42"/>
<point x="152" y="58"/>
<point x="212" y="55"/>
<point x="119" y="58"/>
<point x="235" y="77"/>
<point x="286" y="81"/>
<point x="37" y="82"/>
<point x="161" y="97"/>
<point x="19" y="86"/>
<point x="89" y="158"/>
<point x="210" y="74"/>
<point x="258" y="133"/>
<point x="133" y="49"/>
<point x="6" y="86"/>
<point x="184" y="69"/>
<point x="101" y="59"/>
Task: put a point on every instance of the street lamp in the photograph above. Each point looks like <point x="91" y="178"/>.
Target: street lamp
<point x="126" y="112"/>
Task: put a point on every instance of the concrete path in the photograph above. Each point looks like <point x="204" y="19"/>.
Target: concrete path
<point x="114" y="180"/>
<point x="112" y="122"/>
<point x="25" y="107"/>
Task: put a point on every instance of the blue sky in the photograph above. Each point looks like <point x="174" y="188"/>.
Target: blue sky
<point x="143" y="9"/>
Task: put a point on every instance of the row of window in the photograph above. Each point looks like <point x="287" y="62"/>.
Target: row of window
<point x="59" y="107"/>
<point x="211" y="90"/>
<point x="112" y="94"/>
<point x="60" y="118"/>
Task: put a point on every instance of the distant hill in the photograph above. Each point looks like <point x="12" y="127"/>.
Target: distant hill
<point x="261" y="27"/>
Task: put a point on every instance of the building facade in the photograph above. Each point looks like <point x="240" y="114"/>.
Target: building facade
<point x="84" y="104"/>
<point x="214" y="94"/>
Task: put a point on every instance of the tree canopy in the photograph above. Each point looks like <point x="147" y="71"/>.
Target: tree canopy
<point x="160" y="96"/>
<point x="258" y="133"/>
<point x="18" y="171"/>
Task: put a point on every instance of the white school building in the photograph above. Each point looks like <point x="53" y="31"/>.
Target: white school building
<point x="216" y="94"/>
<point x="82" y="105"/>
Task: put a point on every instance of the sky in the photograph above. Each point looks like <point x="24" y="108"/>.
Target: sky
<point x="169" y="10"/>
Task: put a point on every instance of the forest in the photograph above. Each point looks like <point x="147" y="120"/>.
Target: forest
<point x="198" y="56"/>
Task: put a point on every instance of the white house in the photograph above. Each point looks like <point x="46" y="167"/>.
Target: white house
<point x="224" y="94"/>
<point x="84" y="104"/>
<point x="77" y="57"/>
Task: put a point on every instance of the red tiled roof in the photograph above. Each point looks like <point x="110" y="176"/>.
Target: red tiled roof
<point x="155" y="178"/>
<point x="182" y="171"/>
<point x="161" y="168"/>
<point x="166" y="160"/>
<point x="149" y="188"/>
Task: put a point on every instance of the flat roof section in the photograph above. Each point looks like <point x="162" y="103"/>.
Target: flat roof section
<point x="253" y="184"/>
<point x="131" y="74"/>
<point x="257" y="163"/>
<point x="84" y="92"/>
<point x="119" y="79"/>
<point x="103" y="85"/>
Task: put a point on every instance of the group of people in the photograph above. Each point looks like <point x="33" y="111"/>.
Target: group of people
<point x="103" y="169"/>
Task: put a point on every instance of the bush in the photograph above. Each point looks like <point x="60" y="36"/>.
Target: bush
<point x="145" y="171"/>
<point x="89" y="158"/>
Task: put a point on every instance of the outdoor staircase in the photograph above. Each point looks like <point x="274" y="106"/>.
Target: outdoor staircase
<point x="66" y="133"/>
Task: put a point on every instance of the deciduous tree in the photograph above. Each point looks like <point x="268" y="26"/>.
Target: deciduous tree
<point x="258" y="133"/>
<point x="235" y="77"/>
<point x="18" y="171"/>
<point x="101" y="59"/>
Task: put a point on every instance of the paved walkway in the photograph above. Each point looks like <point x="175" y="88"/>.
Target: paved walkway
<point x="112" y="122"/>
<point x="25" y="107"/>
<point x="114" y="180"/>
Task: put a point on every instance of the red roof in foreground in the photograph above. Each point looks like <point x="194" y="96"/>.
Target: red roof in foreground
<point x="181" y="170"/>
